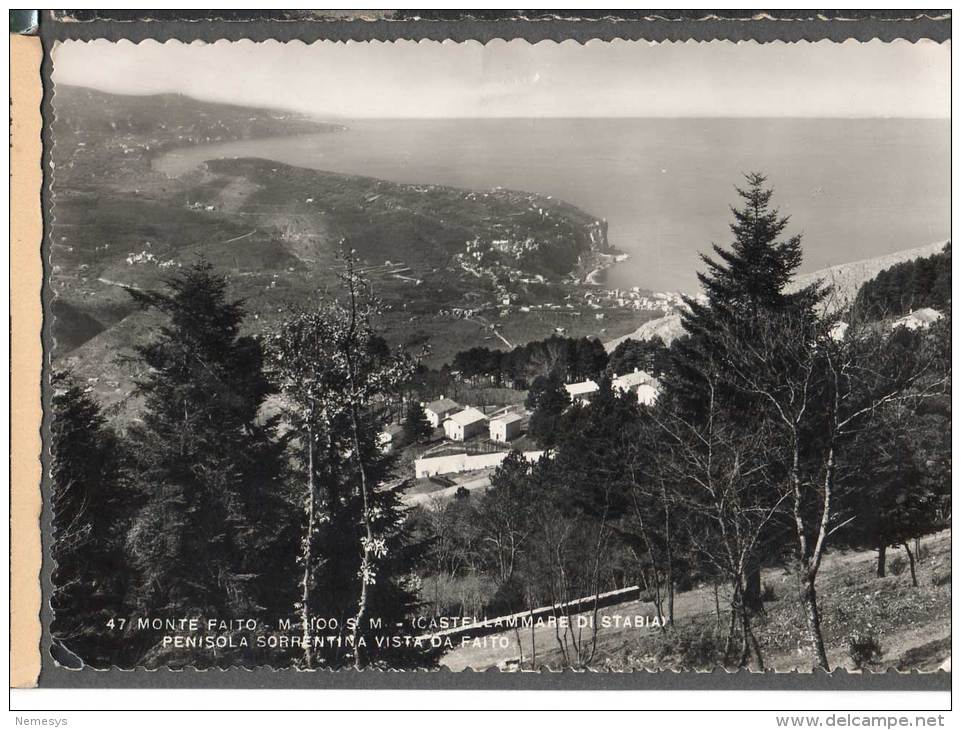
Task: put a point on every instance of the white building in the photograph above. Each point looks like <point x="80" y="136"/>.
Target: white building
<point x="388" y="438"/>
<point x="918" y="319"/>
<point x="465" y="424"/>
<point x="838" y="331"/>
<point x="647" y="393"/>
<point x="630" y="381"/>
<point x="438" y="410"/>
<point x="582" y="392"/>
<point x="506" y="428"/>
<point x="641" y="383"/>
<point x="457" y="463"/>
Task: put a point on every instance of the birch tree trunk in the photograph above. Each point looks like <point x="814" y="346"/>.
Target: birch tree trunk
<point x="669" y="555"/>
<point x="366" y="545"/>
<point x="809" y="599"/>
<point x="752" y="583"/>
<point x="308" y="557"/>
<point x="914" y="574"/>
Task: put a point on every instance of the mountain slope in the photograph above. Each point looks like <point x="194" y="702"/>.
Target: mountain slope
<point x="846" y="279"/>
<point x="668" y="328"/>
<point x="113" y="137"/>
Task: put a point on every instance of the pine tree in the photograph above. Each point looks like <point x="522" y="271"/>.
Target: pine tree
<point x="757" y="268"/>
<point x="537" y="386"/>
<point x="416" y="426"/>
<point x="552" y="400"/>
<point x="896" y="475"/>
<point x="742" y="284"/>
<point x="648" y="355"/>
<point x="587" y="358"/>
<point x="90" y="512"/>
<point x="211" y="525"/>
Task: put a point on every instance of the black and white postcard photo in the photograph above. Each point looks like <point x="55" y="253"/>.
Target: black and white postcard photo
<point x="604" y="356"/>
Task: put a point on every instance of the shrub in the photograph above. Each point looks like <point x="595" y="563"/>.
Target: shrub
<point x="683" y="582"/>
<point x="508" y="598"/>
<point x="897" y="565"/>
<point x="841" y="614"/>
<point x="768" y="593"/>
<point x="691" y="648"/>
<point x="864" y="648"/>
<point x="456" y="596"/>
<point x="941" y="578"/>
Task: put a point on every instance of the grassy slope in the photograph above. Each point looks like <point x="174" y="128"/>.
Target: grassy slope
<point x="914" y="623"/>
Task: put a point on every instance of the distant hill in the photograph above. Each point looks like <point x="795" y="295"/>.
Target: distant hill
<point x="439" y="257"/>
<point x="918" y="284"/>
<point x="104" y="137"/>
<point x="176" y="119"/>
<point x="846" y="279"/>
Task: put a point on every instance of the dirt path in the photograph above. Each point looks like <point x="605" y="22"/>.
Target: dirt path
<point x="240" y="238"/>
<point x="477" y="319"/>
<point x="482" y="482"/>
<point x="111" y="282"/>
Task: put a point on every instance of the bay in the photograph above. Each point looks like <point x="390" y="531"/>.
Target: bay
<point x="855" y="188"/>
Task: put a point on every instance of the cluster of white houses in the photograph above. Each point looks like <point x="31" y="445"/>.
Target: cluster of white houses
<point x="642" y="384"/>
<point x="462" y="423"/>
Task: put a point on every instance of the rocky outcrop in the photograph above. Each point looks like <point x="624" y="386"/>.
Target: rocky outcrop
<point x="668" y="328"/>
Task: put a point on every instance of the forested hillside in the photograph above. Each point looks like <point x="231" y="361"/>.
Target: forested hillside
<point x="923" y="282"/>
<point x="773" y="446"/>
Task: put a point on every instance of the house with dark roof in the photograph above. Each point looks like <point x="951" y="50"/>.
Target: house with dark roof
<point x="438" y="410"/>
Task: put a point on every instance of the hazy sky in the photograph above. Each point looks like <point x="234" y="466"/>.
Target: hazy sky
<point x="519" y="79"/>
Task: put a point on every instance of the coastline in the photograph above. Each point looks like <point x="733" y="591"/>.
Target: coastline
<point x="600" y="262"/>
<point x="663" y="239"/>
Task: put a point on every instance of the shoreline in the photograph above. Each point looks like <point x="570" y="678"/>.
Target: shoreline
<point x="602" y="261"/>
